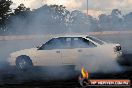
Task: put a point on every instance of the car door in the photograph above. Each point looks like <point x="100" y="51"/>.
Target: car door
<point x="69" y="54"/>
<point x="85" y="51"/>
<point x="84" y="47"/>
<point x="49" y="54"/>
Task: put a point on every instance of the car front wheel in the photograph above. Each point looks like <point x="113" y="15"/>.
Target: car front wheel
<point x="24" y="62"/>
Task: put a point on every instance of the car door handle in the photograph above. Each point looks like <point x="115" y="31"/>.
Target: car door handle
<point x="57" y="51"/>
<point x="79" y="50"/>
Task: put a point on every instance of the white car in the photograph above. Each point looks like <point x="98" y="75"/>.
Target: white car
<point x="64" y="51"/>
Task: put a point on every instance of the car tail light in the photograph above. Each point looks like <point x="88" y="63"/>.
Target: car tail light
<point x="117" y="48"/>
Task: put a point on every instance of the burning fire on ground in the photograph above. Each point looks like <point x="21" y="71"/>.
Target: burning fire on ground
<point x="85" y="81"/>
<point x="83" y="78"/>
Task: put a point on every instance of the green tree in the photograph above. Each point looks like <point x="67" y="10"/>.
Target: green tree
<point x="19" y="19"/>
<point x="51" y="18"/>
<point x="21" y="10"/>
<point x="5" y="11"/>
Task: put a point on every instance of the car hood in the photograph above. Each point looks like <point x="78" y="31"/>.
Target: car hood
<point x="23" y="52"/>
<point x="111" y="44"/>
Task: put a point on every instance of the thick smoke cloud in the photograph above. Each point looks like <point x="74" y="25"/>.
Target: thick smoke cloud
<point x="47" y="19"/>
<point x="57" y="20"/>
<point x="51" y="19"/>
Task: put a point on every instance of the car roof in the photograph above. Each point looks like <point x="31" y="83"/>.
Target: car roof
<point x="84" y="36"/>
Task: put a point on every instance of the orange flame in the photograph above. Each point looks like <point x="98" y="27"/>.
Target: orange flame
<point x="84" y="73"/>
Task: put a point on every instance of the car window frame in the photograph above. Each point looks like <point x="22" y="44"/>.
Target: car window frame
<point x="45" y="44"/>
<point x="91" y="38"/>
<point x="70" y="47"/>
<point x="54" y="48"/>
<point x="87" y="40"/>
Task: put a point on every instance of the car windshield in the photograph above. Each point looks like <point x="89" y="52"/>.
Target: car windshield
<point x="96" y="40"/>
<point x="79" y="42"/>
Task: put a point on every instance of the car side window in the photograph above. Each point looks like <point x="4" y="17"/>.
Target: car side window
<point x="82" y="43"/>
<point x="68" y="43"/>
<point x="51" y="44"/>
<point x="56" y="43"/>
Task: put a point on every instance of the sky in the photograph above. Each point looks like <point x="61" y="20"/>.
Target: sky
<point x="96" y="7"/>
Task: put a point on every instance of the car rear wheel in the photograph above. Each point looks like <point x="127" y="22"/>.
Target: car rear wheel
<point x="24" y="63"/>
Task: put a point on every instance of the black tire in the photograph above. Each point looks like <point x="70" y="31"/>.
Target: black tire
<point x="24" y="63"/>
